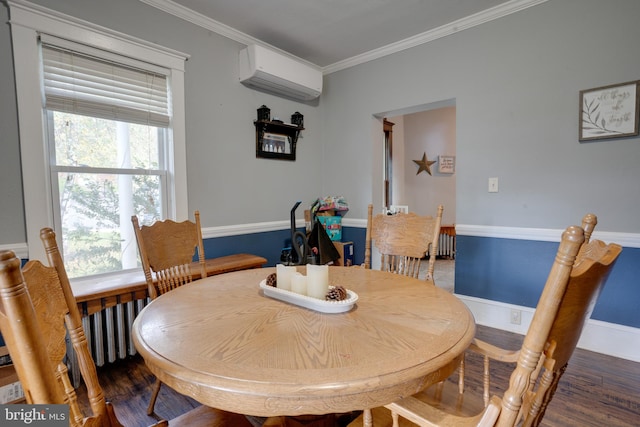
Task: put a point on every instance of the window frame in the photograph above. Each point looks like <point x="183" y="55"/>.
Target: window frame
<point x="27" y="22"/>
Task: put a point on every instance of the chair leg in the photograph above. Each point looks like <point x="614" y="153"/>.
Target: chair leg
<point x="154" y="396"/>
<point x="395" y="418"/>
<point x="461" y="376"/>
<point x="367" y="418"/>
<point x="486" y="381"/>
<point x="437" y="393"/>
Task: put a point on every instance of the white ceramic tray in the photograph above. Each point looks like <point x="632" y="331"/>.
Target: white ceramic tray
<point x="309" y="302"/>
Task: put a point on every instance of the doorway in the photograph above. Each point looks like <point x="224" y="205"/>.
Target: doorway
<point x="427" y="130"/>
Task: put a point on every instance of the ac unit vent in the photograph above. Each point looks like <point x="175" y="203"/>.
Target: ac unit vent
<point x="278" y="74"/>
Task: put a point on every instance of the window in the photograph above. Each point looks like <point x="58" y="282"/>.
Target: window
<point x="99" y="175"/>
<point x="107" y="132"/>
<point x="110" y="134"/>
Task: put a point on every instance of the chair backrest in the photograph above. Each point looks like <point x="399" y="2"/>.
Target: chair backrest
<point x="589" y="222"/>
<point x="403" y="239"/>
<point x="38" y="310"/>
<point x="567" y="300"/>
<point x="166" y="250"/>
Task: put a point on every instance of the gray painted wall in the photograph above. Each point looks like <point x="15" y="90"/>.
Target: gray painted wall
<point x="226" y="182"/>
<point x="515" y="82"/>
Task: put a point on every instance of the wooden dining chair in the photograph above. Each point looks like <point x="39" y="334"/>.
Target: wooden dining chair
<point x="403" y="239"/>
<point x="167" y="249"/>
<point x="37" y="311"/>
<point x="491" y="352"/>
<point x="567" y="300"/>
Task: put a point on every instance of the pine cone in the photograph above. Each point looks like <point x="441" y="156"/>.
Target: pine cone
<point x="336" y="293"/>
<point x="272" y="280"/>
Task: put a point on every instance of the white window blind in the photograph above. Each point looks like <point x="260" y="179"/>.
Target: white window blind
<point x="78" y="83"/>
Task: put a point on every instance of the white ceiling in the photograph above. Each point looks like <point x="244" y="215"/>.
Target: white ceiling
<point x="328" y="33"/>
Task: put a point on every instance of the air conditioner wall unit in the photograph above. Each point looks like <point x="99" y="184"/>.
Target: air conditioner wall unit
<point x="271" y="71"/>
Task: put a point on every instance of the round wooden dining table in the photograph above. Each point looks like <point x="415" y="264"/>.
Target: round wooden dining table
<point x="221" y="341"/>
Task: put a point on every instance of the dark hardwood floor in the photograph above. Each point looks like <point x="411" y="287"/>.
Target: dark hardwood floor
<point x="596" y="390"/>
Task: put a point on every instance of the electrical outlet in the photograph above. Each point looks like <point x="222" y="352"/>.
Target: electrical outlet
<point x="516" y="317"/>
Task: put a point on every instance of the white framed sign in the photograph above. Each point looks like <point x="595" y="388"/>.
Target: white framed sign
<point x="446" y="164"/>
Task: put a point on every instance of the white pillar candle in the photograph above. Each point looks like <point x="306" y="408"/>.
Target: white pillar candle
<point x="317" y="281"/>
<point x="283" y="276"/>
<point x="299" y="283"/>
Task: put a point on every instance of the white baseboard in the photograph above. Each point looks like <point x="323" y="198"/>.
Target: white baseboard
<point x="602" y="337"/>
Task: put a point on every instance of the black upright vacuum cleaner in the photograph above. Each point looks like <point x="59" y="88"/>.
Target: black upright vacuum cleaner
<point x="314" y="248"/>
<point x="301" y="251"/>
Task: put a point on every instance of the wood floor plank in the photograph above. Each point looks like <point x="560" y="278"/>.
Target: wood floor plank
<point x="595" y="391"/>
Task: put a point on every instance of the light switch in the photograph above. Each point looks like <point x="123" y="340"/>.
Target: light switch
<point x="493" y="185"/>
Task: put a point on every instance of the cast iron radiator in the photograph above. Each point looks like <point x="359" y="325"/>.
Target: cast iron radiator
<point x="108" y="335"/>
<point x="447" y="242"/>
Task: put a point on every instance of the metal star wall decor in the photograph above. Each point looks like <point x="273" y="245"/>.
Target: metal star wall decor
<point x="425" y="164"/>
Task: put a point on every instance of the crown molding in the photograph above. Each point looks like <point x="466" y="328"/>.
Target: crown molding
<point x="52" y="22"/>
<point x="479" y="18"/>
<point x="201" y="20"/>
<point x="217" y="27"/>
<point x="428" y="36"/>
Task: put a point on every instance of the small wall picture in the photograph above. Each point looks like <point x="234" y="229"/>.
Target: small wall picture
<point x="275" y="143"/>
<point x="446" y="164"/>
<point x="609" y="111"/>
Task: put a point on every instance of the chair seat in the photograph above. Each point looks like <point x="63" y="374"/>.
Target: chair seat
<point x="444" y="396"/>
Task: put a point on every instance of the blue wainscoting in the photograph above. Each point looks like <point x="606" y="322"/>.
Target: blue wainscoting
<point x="355" y="235"/>
<point x="514" y="272"/>
<point x="269" y="244"/>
